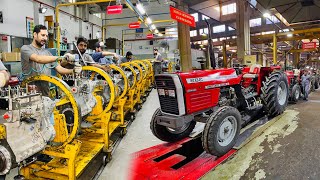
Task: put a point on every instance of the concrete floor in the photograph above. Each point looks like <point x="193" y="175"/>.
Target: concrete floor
<point x="139" y="137"/>
<point x="288" y="149"/>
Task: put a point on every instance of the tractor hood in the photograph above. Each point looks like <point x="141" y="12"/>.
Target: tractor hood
<point x="208" y="79"/>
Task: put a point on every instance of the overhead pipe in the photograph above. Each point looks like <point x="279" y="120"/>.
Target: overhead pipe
<point x="58" y="38"/>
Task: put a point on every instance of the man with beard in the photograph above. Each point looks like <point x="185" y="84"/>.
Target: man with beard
<point x="82" y="44"/>
<point x="34" y="57"/>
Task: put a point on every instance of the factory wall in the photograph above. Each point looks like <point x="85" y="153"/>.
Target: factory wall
<point x="15" y="13"/>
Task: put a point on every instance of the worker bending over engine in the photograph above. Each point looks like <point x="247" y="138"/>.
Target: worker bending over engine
<point x="36" y="60"/>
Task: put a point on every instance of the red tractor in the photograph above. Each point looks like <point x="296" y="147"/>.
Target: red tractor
<point x="222" y="99"/>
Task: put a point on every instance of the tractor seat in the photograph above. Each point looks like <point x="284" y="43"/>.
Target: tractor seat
<point x="253" y="72"/>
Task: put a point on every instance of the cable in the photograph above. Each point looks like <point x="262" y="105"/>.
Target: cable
<point x="22" y="75"/>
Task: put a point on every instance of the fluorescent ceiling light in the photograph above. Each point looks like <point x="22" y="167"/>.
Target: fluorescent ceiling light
<point x="290" y="35"/>
<point x="148" y="20"/>
<point x="141" y="9"/>
<point x="153" y="27"/>
<point x="266" y="15"/>
<point x="156" y="31"/>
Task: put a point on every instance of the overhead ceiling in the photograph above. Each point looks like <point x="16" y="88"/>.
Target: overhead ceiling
<point x="295" y="11"/>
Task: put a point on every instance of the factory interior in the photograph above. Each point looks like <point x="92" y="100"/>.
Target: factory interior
<point x="159" y="89"/>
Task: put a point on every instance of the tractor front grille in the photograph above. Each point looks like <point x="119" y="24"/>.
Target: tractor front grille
<point x="168" y="103"/>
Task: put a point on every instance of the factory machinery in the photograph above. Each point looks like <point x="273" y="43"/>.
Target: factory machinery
<point x="77" y="127"/>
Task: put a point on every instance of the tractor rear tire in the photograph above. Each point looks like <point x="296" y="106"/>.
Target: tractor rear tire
<point x="275" y="92"/>
<point x="295" y="93"/>
<point x="167" y="134"/>
<point x="221" y="131"/>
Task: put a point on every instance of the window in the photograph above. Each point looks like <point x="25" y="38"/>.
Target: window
<point x="229" y="9"/>
<point x="203" y="31"/>
<point x="196" y="17"/>
<point x="205" y="17"/>
<point x="231" y="28"/>
<point x="193" y="33"/>
<point x="255" y="22"/>
<point x="272" y="19"/>
<point x="214" y="40"/>
<point x="220" y="28"/>
<point x="234" y="37"/>
<point x="223" y="38"/>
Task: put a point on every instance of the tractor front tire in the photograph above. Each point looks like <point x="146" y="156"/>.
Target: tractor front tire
<point x="275" y="92"/>
<point x="295" y="93"/>
<point x="221" y="131"/>
<point x="167" y="134"/>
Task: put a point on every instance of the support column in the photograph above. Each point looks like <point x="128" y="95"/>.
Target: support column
<point x="184" y="41"/>
<point x="224" y="53"/>
<point x="275" y="49"/>
<point x="296" y="56"/>
<point x="243" y="29"/>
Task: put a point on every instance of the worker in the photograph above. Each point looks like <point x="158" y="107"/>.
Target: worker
<point x="37" y="60"/>
<point x="157" y="63"/>
<point x="100" y="56"/>
<point x="4" y="75"/>
<point x="82" y="45"/>
<point x="305" y="81"/>
<point x="127" y="58"/>
<point x="157" y="55"/>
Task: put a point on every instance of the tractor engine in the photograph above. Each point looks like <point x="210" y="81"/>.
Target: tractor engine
<point x="27" y="125"/>
<point x="83" y="93"/>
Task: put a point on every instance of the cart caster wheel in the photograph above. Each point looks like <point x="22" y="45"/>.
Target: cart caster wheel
<point x="123" y="132"/>
<point x="19" y="177"/>
<point x="132" y="117"/>
<point x="138" y="107"/>
<point x="106" y="159"/>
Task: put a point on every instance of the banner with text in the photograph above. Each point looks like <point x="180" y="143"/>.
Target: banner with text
<point x="182" y="17"/>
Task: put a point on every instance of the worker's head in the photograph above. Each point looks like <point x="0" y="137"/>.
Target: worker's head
<point x="155" y="51"/>
<point x="129" y="55"/>
<point x="99" y="46"/>
<point x="82" y="44"/>
<point x="40" y="35"/>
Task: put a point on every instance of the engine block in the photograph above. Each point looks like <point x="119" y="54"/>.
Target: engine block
<point x="29" y="123"/>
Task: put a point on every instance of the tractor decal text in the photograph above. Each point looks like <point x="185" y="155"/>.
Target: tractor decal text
<point x="212" y="77"/>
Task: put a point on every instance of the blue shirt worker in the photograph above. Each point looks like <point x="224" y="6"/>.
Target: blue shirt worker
<point x="102" y="57"/>
<point x="305" y="81"/>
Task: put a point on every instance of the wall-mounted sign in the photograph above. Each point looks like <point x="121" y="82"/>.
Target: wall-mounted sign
<point x="182" y="17"/>
<point x="139" y="33"/>
<point x="149" y="36"/>
<point x="309" y="45"/>
<point x="4" y="38"/>
<point x="134" y="25"/>
<point x="117" y="9"/>
<point x="30" y="26"/>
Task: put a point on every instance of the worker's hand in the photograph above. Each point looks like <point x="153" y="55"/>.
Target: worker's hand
<point x="106" y="68"/>
<point x="3" y="80"/>
<point x="115" y="56"/>
<point x="77" y="69"/>
<point x="69" y="58"/>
